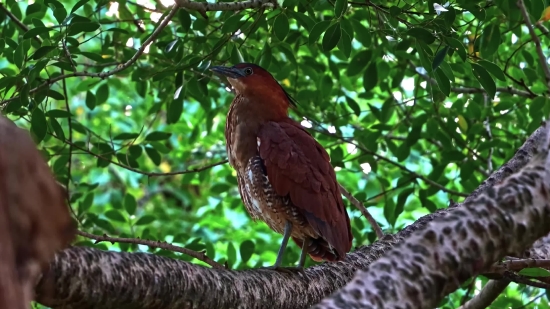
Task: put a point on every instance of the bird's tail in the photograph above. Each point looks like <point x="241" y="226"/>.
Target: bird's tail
<point x="319" y="250"/>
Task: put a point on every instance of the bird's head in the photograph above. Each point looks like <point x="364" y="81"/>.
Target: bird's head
<point x="252" y="81"/>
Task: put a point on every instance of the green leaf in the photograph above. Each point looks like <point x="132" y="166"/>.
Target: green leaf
<point x="458" y="47"/>
<point x="56" y="128"/>
<point x="422" y="34"/>
<point x="87" y="203"/>
<point x="145" y="220"/>
<point x="370" y="78"/>
<point x="231" y="254"/>
<point x="281" y="26"/>
<point x="154" y="155"/>
<point x="125" y="136"/>
<point x="354" y="106"/>
<point x="130" y="204"/>
<point x="42" y="51"/>
<point x="340" y="7"/>
<point x="489" y="40"/>
<point x="185" y="20"/>
<point x="90" y="100"/>
<point x="2" y="45"/>
<point x="34" y="32"/>
<point x="232" y="24"/>
<point x="484" y="79"/>
<point x="395" y="11"/>
<point x="55" y="95"/>
<point x="76" y="28"/>
<point x="39" y="125"/>
<point x="331" y="37"/>
<point x="534" y="272"/>
<point x="246" y="250"/>
<point x="115" y="215"/>
<point x="401" y="200"/>
<point x="359" y="62"/>
<point x="536" y="107"/>
<point x="78" y="5"/>
<point x="58" y="113"/>
<point x="317" y="30"/>
<point x="102" y="94"/>
<point x="19" y="55"/>
<point x="157" y="136"/>
<point x="60" y="14"/>
<point x="493" y="69"/>
<point x="439" y="57"/>
<point x="443" y="82"/>
<point x="344" y="44"/>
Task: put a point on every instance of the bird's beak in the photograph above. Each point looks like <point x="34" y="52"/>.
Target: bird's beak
<point x="230" y="72"/>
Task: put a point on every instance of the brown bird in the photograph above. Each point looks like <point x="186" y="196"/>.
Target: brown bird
<point x="284" y="175"/>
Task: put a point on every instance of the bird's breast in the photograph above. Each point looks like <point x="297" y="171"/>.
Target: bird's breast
<point x="262" y="202"/>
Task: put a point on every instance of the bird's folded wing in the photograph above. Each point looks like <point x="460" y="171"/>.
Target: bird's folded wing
<point x="298" y="166"/>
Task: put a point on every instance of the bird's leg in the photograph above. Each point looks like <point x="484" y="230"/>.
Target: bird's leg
<point x="286" y="235"/>
<point x="303" y="254"/>
<point x="279" y="260"/>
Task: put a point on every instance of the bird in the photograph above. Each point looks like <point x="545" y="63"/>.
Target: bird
<point x="284" y="175"/>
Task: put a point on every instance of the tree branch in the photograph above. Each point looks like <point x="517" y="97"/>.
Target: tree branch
<point x="488" y="294"/>
<point x="542" y="58"/>
<point x="503" y="220"/>
<point x="130" y="274"/>
<point x="355" y="202"/>
<point x="224" y="6"/>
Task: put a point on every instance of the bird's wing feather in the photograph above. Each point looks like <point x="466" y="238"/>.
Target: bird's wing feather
<point x="298" y="166"/>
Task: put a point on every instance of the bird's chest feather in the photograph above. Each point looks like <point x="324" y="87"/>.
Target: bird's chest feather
<point x="263" y="203"/>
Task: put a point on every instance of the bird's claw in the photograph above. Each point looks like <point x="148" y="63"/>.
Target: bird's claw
<point x="288" y="270"/>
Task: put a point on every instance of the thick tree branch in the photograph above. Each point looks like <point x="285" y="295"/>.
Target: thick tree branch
<point x="176" y="283"/>
<point x="503" y="220"/>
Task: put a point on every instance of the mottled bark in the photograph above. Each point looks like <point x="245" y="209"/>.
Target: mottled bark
<point x="90" y="278"/>
<point x="502" y="220"/>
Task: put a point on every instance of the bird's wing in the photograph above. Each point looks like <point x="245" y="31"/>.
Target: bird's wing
<point x="298" y="166"/>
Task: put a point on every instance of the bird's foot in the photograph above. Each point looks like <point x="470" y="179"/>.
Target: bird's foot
<point x="288" y="270"/>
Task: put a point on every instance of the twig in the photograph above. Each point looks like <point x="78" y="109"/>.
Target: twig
<point x="522" y="280"/>
<point x="487" y="295"/>
<point x="224" y="6"/>
<point x="516" y="265"/>
<point x="119" y="68"/>
<point x="17" y="21"/>
<point x="363" y="209"/>
<point x="536" y="40"/>
<point x="489" y="134"/>
<point x="154" y="244"/>
<point x="193" y="170"/>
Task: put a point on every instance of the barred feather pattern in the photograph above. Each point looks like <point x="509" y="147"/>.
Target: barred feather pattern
<point x="263" y="203"/>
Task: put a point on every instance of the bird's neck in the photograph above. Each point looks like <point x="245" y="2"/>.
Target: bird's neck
<point x="244" y="120"/>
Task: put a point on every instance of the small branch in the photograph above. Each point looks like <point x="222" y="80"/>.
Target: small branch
<point x="542" y="58"/>
<point x="522" y="280"/>
<point x="364" y="211"/>
<point x="488" y="294"/>
<point x="517" y="265"/>
<point x="17" y="21"/>
<point x="119" y="68"/>
<point x="225" y="6"/>
<point x="193" y="170"/>
<point x="154" y="244"/>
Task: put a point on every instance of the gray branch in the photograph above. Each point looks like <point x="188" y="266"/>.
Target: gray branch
<point x="503" y="220"/>
<point x="225" y="6"/>
<point x="90" y="278"/>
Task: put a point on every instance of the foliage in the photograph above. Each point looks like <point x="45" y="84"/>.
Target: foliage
<point x="416" y="106"/>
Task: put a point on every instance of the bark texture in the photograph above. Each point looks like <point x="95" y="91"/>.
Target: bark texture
<point x="503" y="220"/>
<point x="91" y="278"/>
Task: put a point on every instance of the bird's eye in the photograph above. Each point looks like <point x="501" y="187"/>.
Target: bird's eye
<point x="248" y="71"/>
